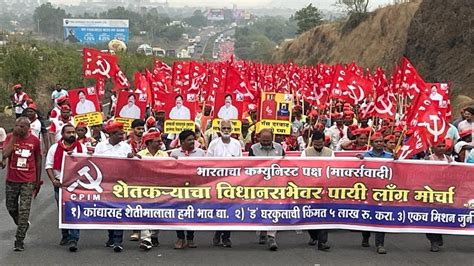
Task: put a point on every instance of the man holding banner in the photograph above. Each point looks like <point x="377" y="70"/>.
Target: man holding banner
<point x="318" y="237"/>
<point x="153" y="142"/>
<point x="377" y="151"/>
<point x="267" y="148"/>
<point x="54" y="162"/>
<point x="188" y="149"/>
<point x="225" y="146"/>
<point x="115" y="146"/>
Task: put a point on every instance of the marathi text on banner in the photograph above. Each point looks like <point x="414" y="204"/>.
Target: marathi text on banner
<point x="279" y="126"/>
<point x="259" y="194"/>
<point x="90" y="119"/>
<point x="177" y="126"/>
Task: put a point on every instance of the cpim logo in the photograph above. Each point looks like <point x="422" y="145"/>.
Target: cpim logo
<point x="92" y="184"/>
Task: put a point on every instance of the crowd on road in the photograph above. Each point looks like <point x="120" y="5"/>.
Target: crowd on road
<point x="315" y="133"/>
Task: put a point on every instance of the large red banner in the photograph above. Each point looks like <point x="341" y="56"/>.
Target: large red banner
<point x="267" y="194"/>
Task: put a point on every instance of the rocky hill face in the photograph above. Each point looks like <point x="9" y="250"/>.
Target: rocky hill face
<point x="437" y="36"/>
<point x="441" y="44"/>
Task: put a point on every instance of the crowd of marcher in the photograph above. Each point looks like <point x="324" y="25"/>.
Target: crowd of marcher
<point x="315" y="133"/>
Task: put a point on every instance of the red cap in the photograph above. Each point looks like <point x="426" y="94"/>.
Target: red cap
<point x="17" y="86"/>
<point x="150" y="136"/>
<point x="61" y="99"/>
<point x="398" y="129"/>
<point x="297" y="108"/>
<point x="113" y="126"/>
<point x="377" y="135"/>
<point x="390" y="137"/>
<point x="353" y="128"/>
<point x="361" y="131"/>
<point x="32" y="106"/>
<point x="313" y="113"/>
<point x="335" y="115"/>
<point x="449" y="143"/>
<point x="81" y="124"/>
<point x="319" y="127"/>
<point x="465" y="132"/>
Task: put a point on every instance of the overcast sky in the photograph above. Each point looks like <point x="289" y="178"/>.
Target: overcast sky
<point x="324" y="4"/>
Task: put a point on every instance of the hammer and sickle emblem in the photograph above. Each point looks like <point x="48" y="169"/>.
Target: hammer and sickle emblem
<point x="354" y="95"/>
<point x="405" y="151"/>
<point x="386" y="105"/>
<point x="93" y="183"/>
<point x="103" y="68"/>
<point x="434" y="131"/>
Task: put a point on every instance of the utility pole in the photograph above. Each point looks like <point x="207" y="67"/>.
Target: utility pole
<point x="38" y="21"/>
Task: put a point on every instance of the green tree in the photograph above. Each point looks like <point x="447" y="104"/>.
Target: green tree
<point x="20" y="65"/>
<point x="354" y="6"/>
<point x="307" y="18"/>
<point x="197" y="19"/>
<point x="173" y="33"/>
<point x="49" y="20"/>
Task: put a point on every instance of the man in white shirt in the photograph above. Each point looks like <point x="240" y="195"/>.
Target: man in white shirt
<point x="58" y="92"/>
<point x="228" y="111"/>
<point x="19" y="100"/>
<point x="35" y="124"/>
<point x="225" y="146"/>
<point x="179" y="111"/>
<point x="68" y="144"/>
<point x="115" y="146"/>
<point x="84" y="106"/>
<point x="337" y="131"/>
<point x="130" y="110"/>
<point x="468" y="122"/>
<point x="57" y="124"/>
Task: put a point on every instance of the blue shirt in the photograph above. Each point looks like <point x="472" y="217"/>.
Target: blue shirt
<point x="373" y="155"/>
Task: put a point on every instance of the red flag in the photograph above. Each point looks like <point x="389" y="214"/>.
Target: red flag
<point x="235" y="83"/>
<point x="350" y="87"/>
<point x="100" y="87"/>
<point x="97" y="64"/>
<point x="385" y="105"/>
<point x="162" y="70"/>
<point x="412" y="83"/>
<point x="198" y="75"/>
<point x="415" y="144"/>
<point x="142" y="85"/>
<point x="119" y="79"/>
<point x="181" y="81"/>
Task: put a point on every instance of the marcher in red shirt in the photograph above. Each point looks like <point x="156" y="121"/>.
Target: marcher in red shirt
<point x="23" y="151"/>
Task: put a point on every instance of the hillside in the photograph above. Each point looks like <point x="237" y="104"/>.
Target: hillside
<point x="379" y="40"/>
<point x="436" y="36"/>
<point x="441" y="45"/>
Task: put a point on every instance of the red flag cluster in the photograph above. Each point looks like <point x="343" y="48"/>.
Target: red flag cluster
<point x="425" y="118"/>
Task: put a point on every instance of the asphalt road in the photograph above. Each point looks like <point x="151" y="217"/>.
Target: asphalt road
<point x="43" y="237"/>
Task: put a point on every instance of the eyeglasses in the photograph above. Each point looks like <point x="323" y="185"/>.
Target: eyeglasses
<point x="226" y="128"/>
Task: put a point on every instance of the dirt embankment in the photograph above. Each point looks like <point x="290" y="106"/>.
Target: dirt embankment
<point x="378" y="40"/>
